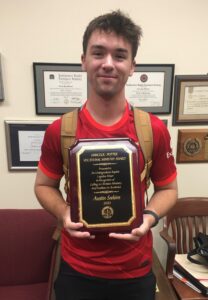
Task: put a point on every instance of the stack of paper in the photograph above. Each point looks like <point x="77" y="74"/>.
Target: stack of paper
<point x="194" y="275"/>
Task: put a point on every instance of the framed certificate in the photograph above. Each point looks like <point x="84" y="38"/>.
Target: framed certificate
<point x="190" y="100"/>
<point x="150" y="88"/>
<point x="59" y="88"/>
<point x="1" y="84"/>
<point x="24" y="140"/>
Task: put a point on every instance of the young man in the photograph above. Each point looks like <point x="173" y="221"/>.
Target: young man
<point x="114" y="265"/>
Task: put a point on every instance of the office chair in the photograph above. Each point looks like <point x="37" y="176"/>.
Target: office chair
<point x="27" y="254"/>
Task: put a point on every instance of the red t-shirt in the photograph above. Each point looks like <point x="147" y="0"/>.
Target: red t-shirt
<point x="103" y="256"/>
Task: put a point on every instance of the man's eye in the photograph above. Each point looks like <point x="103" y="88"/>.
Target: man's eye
<point x="120" y="57"/>
<point x="98" y="54"/>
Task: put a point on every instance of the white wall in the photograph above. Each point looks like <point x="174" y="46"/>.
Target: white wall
<point x="51" y="31"/>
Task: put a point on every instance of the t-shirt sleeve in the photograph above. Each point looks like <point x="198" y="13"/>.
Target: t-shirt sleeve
<point x="51" y="162"/>
<point x="163" y="169"/>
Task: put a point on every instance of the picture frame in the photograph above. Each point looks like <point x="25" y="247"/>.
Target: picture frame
<point x="23" y="142"/>
<point x="165" y="121"/>
<point x="150" y="87"/>
<point x="192" y="146"/>
<point x="1" y="83"/>
<point x="190" y="100"/>
<point x="59" y="87"/>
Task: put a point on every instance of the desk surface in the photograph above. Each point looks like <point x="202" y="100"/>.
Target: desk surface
<point x="185" y="292"/>
<point x="166" y="291"/>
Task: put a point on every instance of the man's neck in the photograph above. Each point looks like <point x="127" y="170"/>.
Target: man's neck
<point x="106" y="111"/>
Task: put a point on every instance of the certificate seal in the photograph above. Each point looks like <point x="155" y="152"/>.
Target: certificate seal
<point x="192" y="146"/>
<point x="107" y="212"/>
<point x="144" y="78"/>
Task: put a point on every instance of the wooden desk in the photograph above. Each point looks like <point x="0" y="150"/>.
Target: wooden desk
<point x="184" y="292"/>
<point x="166" y="291"/>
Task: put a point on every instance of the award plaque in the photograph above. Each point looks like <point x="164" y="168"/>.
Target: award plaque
<point x="192" y="146"/>
<point x="105" y="187"/>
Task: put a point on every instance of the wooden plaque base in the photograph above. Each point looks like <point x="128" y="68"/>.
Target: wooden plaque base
<point x="105" y="187"/>
<point x="192" y="146"/>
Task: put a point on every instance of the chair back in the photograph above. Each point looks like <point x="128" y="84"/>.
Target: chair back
<point x="26" y="246"/>
<point x="187" y="218"/>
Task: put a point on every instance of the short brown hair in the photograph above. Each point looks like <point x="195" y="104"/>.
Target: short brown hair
<point x="116" y="22"/>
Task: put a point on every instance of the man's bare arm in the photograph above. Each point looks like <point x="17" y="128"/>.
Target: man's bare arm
<point x="50" y="197"/>
<point x="163" y="199"/>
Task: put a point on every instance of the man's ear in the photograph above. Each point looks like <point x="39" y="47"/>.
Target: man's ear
<point x="132" y="68"/>
<point x="83" y="62"/>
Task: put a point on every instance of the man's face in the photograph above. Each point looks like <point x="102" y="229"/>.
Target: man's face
<point x="108" y="63"/>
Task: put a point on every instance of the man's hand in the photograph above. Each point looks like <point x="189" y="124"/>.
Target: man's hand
<point x="136" y="233"/>
<point x="73" y="228"/>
